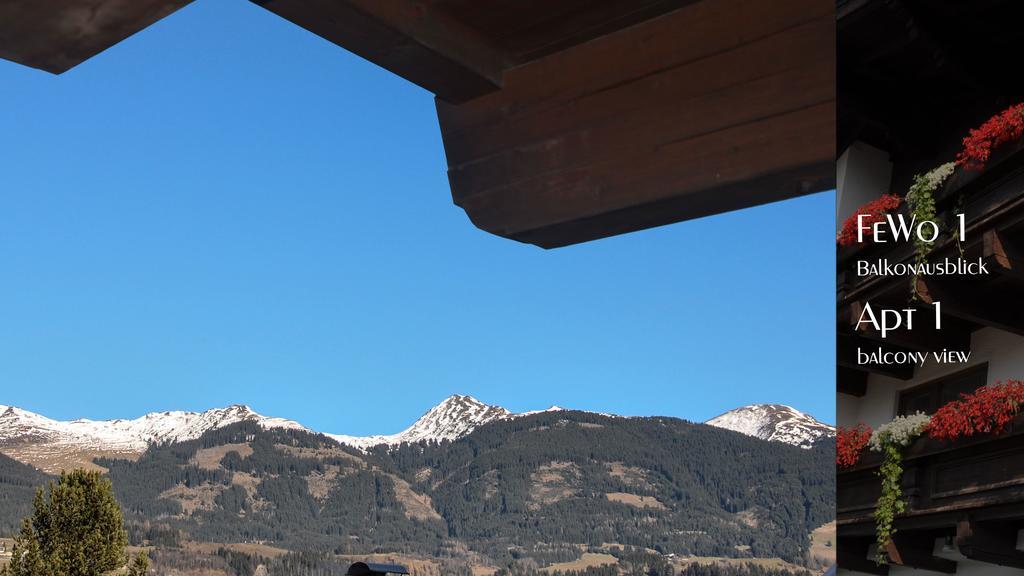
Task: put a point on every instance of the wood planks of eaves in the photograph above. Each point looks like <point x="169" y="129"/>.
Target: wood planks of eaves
<point x="563" y="121"/>
<point x="720" y="105"/>
<point x="56" y="35"/>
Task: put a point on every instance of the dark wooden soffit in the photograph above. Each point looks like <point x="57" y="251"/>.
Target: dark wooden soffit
<point x="55" y="35"/>
<point x="851" y="381"/>
<point x="420" y="41"/>
<point x="570" y="120"/>
<point x="716" y="106"/>
<point x="460" y="49"/>
<point x="563" y="120"/>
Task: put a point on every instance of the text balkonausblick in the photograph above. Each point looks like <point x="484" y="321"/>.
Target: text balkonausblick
<point x="947" y="267"/>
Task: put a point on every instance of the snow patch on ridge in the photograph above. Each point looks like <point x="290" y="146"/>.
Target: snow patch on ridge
<point x="454" y="418"/>
<point x="775" y="423"/>
<point x="17" y="426"/>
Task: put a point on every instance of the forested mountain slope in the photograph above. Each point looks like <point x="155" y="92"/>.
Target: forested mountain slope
<point x="659" y="483"/>
<point x="18" y="483"/>
<point x="538" y="487"/>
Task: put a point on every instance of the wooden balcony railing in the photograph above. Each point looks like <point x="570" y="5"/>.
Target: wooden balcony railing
<point x="970" y="490"/>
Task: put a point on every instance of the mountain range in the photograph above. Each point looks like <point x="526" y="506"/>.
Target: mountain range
<point x="51" y="444"/>
<point x="468" y="486"/>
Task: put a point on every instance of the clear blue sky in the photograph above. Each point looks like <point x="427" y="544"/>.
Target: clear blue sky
<point x="228" y="209"/>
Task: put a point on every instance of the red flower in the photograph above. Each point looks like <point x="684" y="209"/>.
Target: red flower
<point x="1004" y="127"/>
<point x="850" y="443"/>
<point x="875" y="211"/>
<point x="989" y="409"/>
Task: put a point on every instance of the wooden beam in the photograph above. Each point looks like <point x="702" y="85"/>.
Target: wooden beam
<point x="717" y="106"/>
<point x="966" y="305"/>
<point x="914" y="550"/>
<point x="606" y="120"/>
<point x="532" y="29"/>
<point x="56" y="35"/>
<point x="1001" y="256"/>
<point x="851" y="381"/>
<point x="852" y="554"/>
<point x="414" y="39"/>
<point x="994" y="543"/>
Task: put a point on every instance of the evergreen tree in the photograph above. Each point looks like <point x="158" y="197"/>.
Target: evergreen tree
<point x="75" y="530"/>
<point x="140" y="566"/>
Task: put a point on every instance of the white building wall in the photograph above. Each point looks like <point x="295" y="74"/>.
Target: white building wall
<point x="863" y="173"/>
<point x="846" y="409"/>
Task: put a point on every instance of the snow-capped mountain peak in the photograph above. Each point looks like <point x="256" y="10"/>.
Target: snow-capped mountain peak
<point x="18" y="426"/>
<point x="775" y="423"/>
<point x="455" y="417"/>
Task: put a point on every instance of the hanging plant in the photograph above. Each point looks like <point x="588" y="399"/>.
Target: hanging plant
<point x="850" y="442"/>
<point x="1004" y="127"/>
<point x="890" y="439"/>
<point x="989" y="409"/>
<point x="875" y="212"/>
<point x="921" y="202"/>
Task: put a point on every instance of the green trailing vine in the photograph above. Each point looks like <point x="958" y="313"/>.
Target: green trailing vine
<point x="891" y="502"/>
<point x="921" y="202"/>
<point x="890" y="439"/>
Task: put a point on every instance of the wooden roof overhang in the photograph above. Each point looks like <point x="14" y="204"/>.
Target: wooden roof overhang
<point x="563" y="121"/>
<point x="57" y="35"/>
<point x="970" y="490"/>
<point x="993" y="202"/>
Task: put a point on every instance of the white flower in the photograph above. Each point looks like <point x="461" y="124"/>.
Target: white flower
<point x="901" y="431"/>
<point x="937" y="176"/>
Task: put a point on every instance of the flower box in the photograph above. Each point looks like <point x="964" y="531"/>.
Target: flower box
<point x="940" y="475"/>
